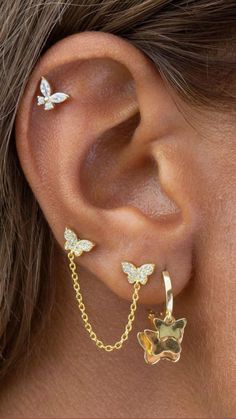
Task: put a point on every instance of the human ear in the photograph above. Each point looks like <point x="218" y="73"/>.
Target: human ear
<point x="114" y="162"/>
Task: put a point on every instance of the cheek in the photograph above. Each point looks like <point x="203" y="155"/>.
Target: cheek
<point x="214" y="286"/>
<point x="218" y="206"/>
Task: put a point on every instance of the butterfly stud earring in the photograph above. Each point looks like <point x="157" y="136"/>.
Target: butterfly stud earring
<point x="48" y="100"/>
<point x="164" y="342"/>
<point x="138" y="274"/>
<point x="76" y="245"/>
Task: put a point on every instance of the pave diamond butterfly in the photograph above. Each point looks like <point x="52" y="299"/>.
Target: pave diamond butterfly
<point x="138" y="274"/>
<point x="76" y="245"/>
<point x="48" y="99"/>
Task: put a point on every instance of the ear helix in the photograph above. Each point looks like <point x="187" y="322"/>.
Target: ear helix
<point x="161" y="343"/>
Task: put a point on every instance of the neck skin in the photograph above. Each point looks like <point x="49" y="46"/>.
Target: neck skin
<point x="70" y="377"/>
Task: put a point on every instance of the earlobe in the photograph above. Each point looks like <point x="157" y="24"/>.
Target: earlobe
<point x="92" y="162"/>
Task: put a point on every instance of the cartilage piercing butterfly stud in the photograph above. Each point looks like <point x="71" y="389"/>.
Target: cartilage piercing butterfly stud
<point x="137" y="276"/>
<point x="48" y="100"/>
<point x="165" y="341"/>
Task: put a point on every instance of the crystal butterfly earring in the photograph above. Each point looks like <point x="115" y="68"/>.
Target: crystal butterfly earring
<point x="48" y="100"/>
<point x="137" y="276"/>
<point x="165" y="341"/>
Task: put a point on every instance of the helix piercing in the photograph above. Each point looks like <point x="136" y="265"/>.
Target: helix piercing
<point x="48" y="100"/>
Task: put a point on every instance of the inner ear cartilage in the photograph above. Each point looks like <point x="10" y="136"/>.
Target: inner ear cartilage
<point x="49" y="99"/>
<point x="161" y="343"/>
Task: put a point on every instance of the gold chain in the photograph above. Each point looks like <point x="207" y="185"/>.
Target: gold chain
<point x="84" y="316"/>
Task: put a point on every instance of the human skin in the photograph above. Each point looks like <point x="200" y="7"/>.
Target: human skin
<point x="159" y="188"/>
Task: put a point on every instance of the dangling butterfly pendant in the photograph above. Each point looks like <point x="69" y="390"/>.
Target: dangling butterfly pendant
<point x="76" y="245"/>
<point x="48" y="99"/>
<point x="164" y="342"/>
<point x="138" y="274"/>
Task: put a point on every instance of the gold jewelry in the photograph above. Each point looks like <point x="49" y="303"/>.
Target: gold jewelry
<point x="165" y="341"/>
<point x="136" y="275"/>
<point x="48" y="99"/>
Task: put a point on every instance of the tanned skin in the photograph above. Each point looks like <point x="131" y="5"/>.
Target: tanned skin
<point x="148" y="178"/>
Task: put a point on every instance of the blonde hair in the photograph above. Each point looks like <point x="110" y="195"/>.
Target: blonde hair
<point x="192" y="44"/>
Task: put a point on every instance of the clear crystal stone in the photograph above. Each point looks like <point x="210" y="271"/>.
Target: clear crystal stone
<point x="41" y="100"/>
<point x="48" y="105"/>
<point x="45" y="87"/>
<point x="58" y="97"/>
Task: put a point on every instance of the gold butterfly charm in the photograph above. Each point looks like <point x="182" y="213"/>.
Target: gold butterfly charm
<point x="48" y="99"/>
<point x="164" y="342"/>
<point x="138" y="274"/>
<point x="76" y="245"/>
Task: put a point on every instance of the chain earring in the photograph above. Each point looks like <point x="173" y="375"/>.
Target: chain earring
<point x="165" y="341"/>
<point x="136" y="276"/>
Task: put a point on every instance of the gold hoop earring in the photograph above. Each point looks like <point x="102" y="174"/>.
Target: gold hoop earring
<point x="165" y="341"/>
<point x="136" y="275"/>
